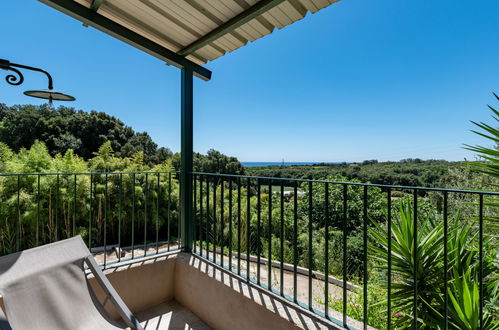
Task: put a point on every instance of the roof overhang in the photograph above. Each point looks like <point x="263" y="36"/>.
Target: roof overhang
<point x="92" y="18"/>
<point x="188" y="33"/>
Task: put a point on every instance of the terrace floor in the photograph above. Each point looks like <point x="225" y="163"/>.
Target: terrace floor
<point x="179" y="290"/>
<point x="274" y="302"/>
<point x="170" y="315"/>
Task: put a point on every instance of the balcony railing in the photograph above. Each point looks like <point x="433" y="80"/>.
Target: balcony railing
<point x="134" y="212"/>
<point x="317" y="243"/>
<point x="343" y="250"/>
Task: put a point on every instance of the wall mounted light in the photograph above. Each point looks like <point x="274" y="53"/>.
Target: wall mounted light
<point x="18" y="79"/>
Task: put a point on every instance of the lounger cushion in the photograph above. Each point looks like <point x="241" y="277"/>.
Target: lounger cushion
<point x="46" y="288"/>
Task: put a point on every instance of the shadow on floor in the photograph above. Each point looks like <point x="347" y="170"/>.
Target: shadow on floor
<point x="170" y="315"/>
<point x="297" y="315"/>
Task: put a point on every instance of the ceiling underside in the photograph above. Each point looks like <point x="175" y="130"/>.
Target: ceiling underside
<point x="203" y="30"/>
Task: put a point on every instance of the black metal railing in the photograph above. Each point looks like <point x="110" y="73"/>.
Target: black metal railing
<point x="317" y="243"/>
<point x="357" y="254"/>
<point x="134" y="213"/>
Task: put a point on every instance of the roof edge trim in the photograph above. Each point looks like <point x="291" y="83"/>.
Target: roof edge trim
<point x="104" y="24"/>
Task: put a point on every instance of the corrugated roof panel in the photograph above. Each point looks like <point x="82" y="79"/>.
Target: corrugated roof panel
<point x="264" y="26"/>
<point x="227" y="43"/>
<point x="309" y="5"/>
<point x="232" y="5"/>
<point x="171" y="11"/>
<point x="250" y="33"/>
<point x="155" y="19"/>
<point x="322" y="4"/>
<point x="273" y="20"/>
<point x="253" y="40"/>
<point x="218" y="9"/>
<point x="245" y="34"/>
<point x="196" y="59"/>
<point x="291" y="11"/>
<point x="110" y="12"/>
<point x="209" y="52"/>
<point x="283" y="12"/>
<point x="214" y="51"/>
<point x="235" y="42"/>
<point x="176" y="24"/>
<point x="195" y="14"/>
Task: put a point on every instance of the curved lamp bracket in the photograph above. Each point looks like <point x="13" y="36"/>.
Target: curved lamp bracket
<point x="18" y="79"/>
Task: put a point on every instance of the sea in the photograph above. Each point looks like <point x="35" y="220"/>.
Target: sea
<point x="261" y="164"/>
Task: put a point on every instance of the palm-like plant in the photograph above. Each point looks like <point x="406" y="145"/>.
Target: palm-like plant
<point x="428" y="275"/>
<point x="490" y="165"/>
<point x="462" y="273"/>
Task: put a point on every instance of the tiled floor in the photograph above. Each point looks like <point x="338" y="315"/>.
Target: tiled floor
<point x="171" y="316"/>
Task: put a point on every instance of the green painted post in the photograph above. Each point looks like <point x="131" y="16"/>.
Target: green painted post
<point x="186" y="148"/>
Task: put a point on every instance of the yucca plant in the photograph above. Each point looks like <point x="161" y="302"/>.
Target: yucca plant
<point x="462" y="273"/>
<point x="489" y="160"/>
<point x="463" y="289"/>
<point x="490" y="165"/>
<point x="428" y="276"/>
<point x="465" y="300"/>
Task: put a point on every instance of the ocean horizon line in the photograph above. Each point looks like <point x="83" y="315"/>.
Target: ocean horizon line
<point x="261" y="164"/>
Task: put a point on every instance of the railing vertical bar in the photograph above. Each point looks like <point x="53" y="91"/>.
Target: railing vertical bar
<point x="248" y="226"/>
<point x="258" y="219"/>
<point x="310" y="252"/>
<point x="74" y="207"/>
<point x="201" y="214"/>
<point x="295" y="243"/>
<point x="106" y="198"/>
<point x="179" y="216"/>
<point x="133" y="215"/>
<point x="90" y="213"/>
<point x="415" y="250"/>
<point x="239" y="226"/>
<point x="146" y="195"/>
<point x="326" y="250"/>
<point x="158" y="191"/>
<point x="344" y="268"/>
<point x="389" y="256"/>
<point x="18" y="228"/>
<point x="222" y="221"/>
<point x="57" y="209"/>
<point x="194" y="213"/>
<point x="269" y="261"/>
<point x="208" y="224"/>
<point x="365" y="279"/>
<point x="38" y="210"/>
<point x="214" y="221"/>
<point x="69" y="230"/>
<point x="168" y="211"/>
<point x="480" y="260"/>
<point x="230" y="224"/>
<point x="120" y="215"/>
<point x="281" y="229"/>
<point x="446" y="295"/>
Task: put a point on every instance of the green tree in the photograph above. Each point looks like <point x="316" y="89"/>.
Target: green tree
<point x="65" y="128"/>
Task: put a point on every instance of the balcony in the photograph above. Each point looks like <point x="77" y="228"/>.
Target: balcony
<point x="264" y="253"/>
<point x="206" y="250"/>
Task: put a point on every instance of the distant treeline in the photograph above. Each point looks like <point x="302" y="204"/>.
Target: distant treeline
<point x="83" y="132"/>
<point x="407" y="172"/>
<point x="89" y="134"/>
<point x="64" y="129"/>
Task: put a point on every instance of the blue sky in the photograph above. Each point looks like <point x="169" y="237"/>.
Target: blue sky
<point x="362" y="79"/>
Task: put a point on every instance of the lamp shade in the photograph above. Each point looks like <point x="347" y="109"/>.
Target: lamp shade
<point x="49" y="94"/>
